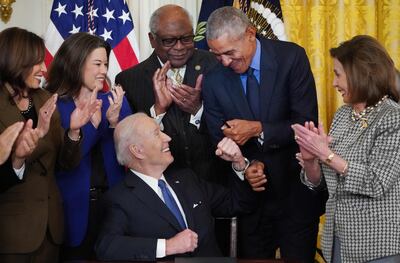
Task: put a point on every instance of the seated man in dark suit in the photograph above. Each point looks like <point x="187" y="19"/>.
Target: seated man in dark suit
<point x="156" y="213"/>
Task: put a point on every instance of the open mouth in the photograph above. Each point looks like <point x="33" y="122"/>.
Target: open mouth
<point x="165" y="150"/>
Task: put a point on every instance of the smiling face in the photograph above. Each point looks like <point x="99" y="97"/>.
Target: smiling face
<point x="173" y="24"/>
<point x="155" y="145"/>
<point x="36" y="75"/>
<point x="340" y="81"/>
<point x="235" y="52"/>
<point x="95" y="69"/>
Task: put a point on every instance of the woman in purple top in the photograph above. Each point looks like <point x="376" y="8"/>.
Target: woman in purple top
<point x="79" y="67"/>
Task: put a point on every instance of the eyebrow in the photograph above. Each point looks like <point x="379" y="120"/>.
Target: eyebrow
<point x="99" y="60"/>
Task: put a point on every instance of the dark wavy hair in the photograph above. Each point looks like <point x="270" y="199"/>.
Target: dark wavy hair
<point x="20" y="51"/>
<point x="65" y="72"/>
<point x="369" y="69"/>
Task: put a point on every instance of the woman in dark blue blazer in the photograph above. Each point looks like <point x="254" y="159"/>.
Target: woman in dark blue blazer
<point x="79" y="67"/>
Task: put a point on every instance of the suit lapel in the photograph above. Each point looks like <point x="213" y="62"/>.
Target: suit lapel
<point x="9" y="113"/>
<point x="238" y="97"/>
<point x="146" y="195"/>
<point x="269" y="70"/>
<point x="194" y="68"/>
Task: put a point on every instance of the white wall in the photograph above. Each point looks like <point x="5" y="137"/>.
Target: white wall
<point x="34" y="15"/>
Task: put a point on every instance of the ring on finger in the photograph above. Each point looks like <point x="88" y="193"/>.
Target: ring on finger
<point x="184" y="99"/>
<point x="296" y="137"/>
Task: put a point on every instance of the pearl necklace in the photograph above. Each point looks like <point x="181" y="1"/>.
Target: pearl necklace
<point x="355" y="116"/>
<point x="30" y="105"/>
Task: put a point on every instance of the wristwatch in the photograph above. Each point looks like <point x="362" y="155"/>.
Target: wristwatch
<point x="246" y="166"/>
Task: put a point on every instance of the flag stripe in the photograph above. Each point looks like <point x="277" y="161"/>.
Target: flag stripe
<point x="129" y="58"/>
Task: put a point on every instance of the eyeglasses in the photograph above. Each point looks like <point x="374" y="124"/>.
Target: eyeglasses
<point x="170" y="42"/>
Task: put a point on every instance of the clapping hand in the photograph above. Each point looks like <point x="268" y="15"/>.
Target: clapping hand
<point x="313" y="141"/>
<point x="115" y="101"/>
<point x="161" y="87"/>
<point x="82" y="113"/>
<point x="187" y="98"/>
<point x="45" y="113"/>
<point x="7" y="139"/>
<point x="25" y="144"/>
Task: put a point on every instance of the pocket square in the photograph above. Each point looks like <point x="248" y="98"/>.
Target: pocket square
<point x="196" y="204"/>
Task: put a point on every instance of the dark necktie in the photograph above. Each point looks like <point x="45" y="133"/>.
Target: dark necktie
<point x="171" y="204"/>
<point x="253" y="93"/>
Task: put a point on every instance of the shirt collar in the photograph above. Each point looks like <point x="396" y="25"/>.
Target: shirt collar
<point x="150" y="181"/>
<point x="255" y="62"/>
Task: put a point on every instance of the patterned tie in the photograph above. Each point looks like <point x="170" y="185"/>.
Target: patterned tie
<point x="253" y="93"/>
<point x="177" y="76"/>
<point x="170" y="202"/>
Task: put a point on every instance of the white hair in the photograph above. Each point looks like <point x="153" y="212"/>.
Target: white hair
<point x="125" y="134"/>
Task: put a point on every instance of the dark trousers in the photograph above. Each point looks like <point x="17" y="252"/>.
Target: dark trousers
<point x="46" y="253"/>
<point x="86" y="249"/>
<point x="269" y="228"/>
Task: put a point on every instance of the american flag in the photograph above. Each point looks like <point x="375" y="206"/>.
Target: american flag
<point x="109" y="19"/>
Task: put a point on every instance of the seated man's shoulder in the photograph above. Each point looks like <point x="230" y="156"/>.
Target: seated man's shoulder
<point x="182" y="174"/>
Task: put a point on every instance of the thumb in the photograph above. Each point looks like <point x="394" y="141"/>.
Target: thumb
<point x="218" y="152"/>
<point x="321" y="128"/>
<point x="199" y="81"/>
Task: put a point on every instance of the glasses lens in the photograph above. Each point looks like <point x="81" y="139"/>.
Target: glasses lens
<point x="187" y="39"/>
<point x="169" y="42"/>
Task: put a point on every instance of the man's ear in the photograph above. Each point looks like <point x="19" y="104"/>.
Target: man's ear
<point x="152" y="39"/>
<point x="137" y="151"/>
<point x="251" y="31"/>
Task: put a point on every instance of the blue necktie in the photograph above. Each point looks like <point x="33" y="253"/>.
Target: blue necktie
<point x="253" y="93"/>
<point x="171" y="204"/>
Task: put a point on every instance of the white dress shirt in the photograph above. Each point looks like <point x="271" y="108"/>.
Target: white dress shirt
<point x="153" y="183"/>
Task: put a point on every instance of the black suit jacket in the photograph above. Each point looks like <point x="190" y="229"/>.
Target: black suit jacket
<point x="191" y="147"/>
<point x="287" y="96"/>
<point x="137" y="217"/>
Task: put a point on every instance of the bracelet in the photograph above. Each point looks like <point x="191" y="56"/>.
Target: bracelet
<point x="344" y="171"/>
<point x="74" y="139"/>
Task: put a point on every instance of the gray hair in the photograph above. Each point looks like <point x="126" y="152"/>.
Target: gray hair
<point x="126" y="134"/>
<point x="155" y="17"/>
<point x="226" y="20"/>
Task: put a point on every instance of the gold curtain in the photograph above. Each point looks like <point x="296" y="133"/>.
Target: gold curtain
<point x="318" y="25"/>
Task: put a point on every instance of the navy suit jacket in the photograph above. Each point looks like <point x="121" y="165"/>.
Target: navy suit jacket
<point x="137" y="217"/>
<point x="287" y="96"/>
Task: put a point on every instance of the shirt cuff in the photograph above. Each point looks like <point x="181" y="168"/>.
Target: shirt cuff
<point x="260" y="138"/>
<point x="241" y="173"/>
<point x="20" y="172"/>
<point x="160" y="253"/>
<point x="196" y="119"/>
<point x="157" y="118"/>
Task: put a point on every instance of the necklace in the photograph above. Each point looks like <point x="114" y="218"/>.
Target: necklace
<point x="362" y="116"/>
<point x="29" y="107"/>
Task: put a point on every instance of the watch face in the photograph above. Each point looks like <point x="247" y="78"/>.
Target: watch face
<point x="330" y="158"/>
